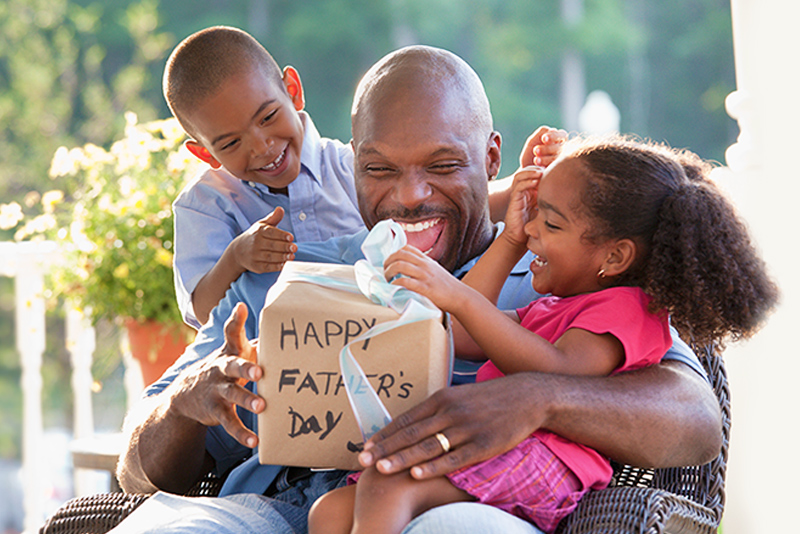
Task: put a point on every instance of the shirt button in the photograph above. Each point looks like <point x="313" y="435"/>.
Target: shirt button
<point x="302" y="216"/>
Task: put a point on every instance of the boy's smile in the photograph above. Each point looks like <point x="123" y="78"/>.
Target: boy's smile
<point x="252" y="128"/>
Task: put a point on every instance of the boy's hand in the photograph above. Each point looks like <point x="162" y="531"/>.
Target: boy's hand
<point x="522" y="207"/>
<point x="263" y="247"/>
<point x="425" y="276"/>
<point x="542" y="147"/>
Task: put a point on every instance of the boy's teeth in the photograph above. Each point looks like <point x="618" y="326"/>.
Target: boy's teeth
<point x="275" y="164"/>
<point x="539" y="261"/>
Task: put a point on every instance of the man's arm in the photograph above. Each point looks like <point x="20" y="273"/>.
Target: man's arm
<point x="166" y="432"/>
<point x="661" y="416"/>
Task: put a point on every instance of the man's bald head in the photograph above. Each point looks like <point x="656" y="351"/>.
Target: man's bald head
<point x="204" y="61"/>
<point x="424" y="74"/>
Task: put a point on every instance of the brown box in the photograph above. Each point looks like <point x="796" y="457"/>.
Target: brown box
<point x="308" y="421"/>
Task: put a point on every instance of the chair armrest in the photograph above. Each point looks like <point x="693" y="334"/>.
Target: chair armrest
<point x="633" y="509"/>
<point x="92" y="514"/>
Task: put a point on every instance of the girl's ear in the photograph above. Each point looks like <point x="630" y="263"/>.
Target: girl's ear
<point x="621" y="255"/>
<point x="291" y="80"/>
<point x="202" y="153"/>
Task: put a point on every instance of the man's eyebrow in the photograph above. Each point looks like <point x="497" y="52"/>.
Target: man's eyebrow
<point x="261" y="108"/>
<point x="543" y="204"/>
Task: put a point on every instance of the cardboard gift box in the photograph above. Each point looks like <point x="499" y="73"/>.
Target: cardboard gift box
<point x="303" y="327"/>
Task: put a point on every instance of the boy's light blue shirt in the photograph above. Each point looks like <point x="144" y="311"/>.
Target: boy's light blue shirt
<point x="216" y="207"/>
<point x="251" y="288"/>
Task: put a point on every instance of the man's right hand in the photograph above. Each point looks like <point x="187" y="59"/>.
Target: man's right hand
<point x="209" y="391"/>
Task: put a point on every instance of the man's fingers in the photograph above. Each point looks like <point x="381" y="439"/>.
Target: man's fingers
<point x="235" y="338"/>
<point x="234" y="426"/>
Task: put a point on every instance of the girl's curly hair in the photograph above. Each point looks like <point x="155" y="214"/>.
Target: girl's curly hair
<point x="695" y="255"/>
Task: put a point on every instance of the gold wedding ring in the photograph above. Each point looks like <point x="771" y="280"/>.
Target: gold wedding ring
<point x="443" y="441"/>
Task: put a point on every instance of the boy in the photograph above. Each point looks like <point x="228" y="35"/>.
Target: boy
<point x="245" y="118"/>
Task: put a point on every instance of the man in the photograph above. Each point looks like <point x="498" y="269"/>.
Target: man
<point x="424" y="153"/>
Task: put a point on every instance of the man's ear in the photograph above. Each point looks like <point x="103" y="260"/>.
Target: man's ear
<point x="202" y="153"/>
<point x="291" y="80"/>
<point x="620" y="257"/>
<point x="493" y="154"/>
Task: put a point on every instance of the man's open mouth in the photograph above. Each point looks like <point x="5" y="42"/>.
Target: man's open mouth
<point x="423" y="234"/>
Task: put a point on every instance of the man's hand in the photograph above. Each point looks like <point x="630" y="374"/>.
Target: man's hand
<point x="264" y="247"/>
<point x="209" y="391"/>
<point x="479" y="420"/>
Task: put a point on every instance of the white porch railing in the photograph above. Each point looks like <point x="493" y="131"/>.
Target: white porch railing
<point x="27" y="263"/>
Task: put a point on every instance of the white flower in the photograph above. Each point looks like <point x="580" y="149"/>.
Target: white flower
<point x="10" y="215"/>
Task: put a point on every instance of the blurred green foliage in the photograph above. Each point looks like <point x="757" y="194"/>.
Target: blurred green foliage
<point x="70" y="69"/>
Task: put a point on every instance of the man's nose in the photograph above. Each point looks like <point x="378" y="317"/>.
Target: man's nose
<point x="412" y="189"/>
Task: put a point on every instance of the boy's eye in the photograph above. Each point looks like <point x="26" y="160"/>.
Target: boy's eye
<point x="229" y="144"/>
<point x="551" y="226"/>
<point x="268" y="116"/>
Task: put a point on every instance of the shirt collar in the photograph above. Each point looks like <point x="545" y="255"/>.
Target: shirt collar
<point x="310" y="156"/>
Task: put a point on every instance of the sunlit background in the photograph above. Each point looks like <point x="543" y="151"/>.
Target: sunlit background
<point x="69" y="70"/>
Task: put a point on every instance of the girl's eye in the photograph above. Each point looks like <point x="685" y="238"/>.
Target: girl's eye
<point x="229" y="144"/>
<point x="550" y="226"/>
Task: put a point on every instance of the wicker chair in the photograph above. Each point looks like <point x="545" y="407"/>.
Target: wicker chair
<point x="685" y="499"/>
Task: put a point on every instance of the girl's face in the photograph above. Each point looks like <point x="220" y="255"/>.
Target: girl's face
<point x="566" y="263"/>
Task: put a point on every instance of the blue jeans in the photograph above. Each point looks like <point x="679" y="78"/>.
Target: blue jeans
<point x="287" y="513"/>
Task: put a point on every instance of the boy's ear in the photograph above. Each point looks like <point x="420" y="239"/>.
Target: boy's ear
<point x="202" y="153"/>
<point x="291" y="80"/>
<point x="621" y="255"/>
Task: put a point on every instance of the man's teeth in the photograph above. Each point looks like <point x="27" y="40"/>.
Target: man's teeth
<point x="418" y="227"/>
<point x="275" y="164"/>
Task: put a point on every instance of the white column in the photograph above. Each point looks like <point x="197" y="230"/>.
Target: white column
<point x="763" y="469"/>
<point x="81" y="345"/>
<point x="26" y="262"/>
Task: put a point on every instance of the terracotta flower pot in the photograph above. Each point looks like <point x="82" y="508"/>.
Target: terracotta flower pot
<point x="156" y="346"/>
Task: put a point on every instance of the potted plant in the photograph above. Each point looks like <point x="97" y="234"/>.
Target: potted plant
<point x="113" y="215"/>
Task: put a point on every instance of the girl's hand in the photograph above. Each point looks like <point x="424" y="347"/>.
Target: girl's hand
<point x="542" y="147"/>
<point x="425" y="276"/>
<point x="522" y="207"/>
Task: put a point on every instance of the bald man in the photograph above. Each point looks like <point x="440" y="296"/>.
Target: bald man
<point x="425" y="150"/>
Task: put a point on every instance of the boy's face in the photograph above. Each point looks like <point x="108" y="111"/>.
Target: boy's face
<point x="252" y="128"/>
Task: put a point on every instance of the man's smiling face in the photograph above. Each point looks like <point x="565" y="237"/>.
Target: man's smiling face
<point x="421" y="160"/>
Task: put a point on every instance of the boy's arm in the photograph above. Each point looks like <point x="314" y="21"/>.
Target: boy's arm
<point x="261" y="248"/>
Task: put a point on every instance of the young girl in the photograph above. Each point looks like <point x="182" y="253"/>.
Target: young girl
<point x="627" y="236"/>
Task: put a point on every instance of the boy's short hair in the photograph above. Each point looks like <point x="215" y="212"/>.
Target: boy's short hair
<point x="202" y="62"/>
